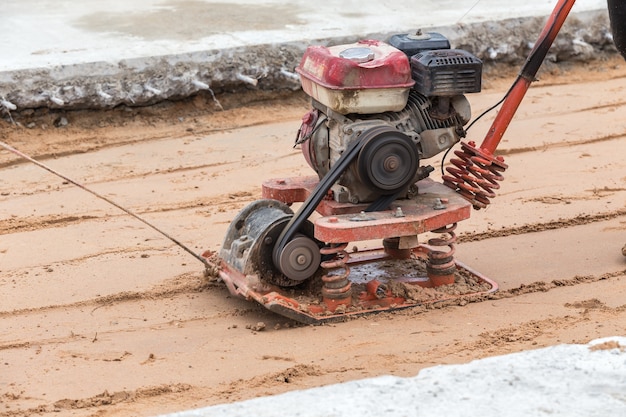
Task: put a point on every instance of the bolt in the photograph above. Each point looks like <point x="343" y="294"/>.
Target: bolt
<point x="439" y="204"/>
<point x="362" y="217"/>
<point x="381" y="291"/>
<point x="391" y="163"/>
<point x="301" y="260"/>
<point x="268" y="240"/>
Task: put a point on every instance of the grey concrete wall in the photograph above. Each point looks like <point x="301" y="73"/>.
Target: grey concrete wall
<point x="145" y="81"/>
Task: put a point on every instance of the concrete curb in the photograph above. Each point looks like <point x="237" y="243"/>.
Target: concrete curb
<point x="146" y="81"/>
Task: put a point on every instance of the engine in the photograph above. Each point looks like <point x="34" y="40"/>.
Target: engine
<point x="404" y="99"/>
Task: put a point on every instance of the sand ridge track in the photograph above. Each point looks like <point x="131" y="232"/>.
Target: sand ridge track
<point x="101" y="316"/>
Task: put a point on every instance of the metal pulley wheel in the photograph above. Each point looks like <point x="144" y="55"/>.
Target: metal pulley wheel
<point x="300" y="258"/>
<point x="388" y="161"/>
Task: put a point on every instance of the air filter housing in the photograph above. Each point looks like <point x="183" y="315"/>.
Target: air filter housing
<point x="414" y="43"/>
<point x="446" y="72"/>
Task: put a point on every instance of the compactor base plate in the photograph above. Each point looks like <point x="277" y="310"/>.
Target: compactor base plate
<point x="396" y="276"/>
<point x="380" y="283"/>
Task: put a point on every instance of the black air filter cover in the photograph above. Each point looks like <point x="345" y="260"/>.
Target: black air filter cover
<point x="412" y="44"/>
<point x="446" y="72"/>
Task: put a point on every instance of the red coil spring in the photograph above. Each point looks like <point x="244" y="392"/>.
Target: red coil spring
<point x="336" y="286"/>
<point x="475" y="175"/>
<point x="440" y="262"/>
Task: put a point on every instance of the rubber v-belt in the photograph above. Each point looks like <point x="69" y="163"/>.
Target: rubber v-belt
<point x="318" y="194"/>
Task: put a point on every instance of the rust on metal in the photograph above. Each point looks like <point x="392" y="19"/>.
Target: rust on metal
<point x="398" y="275"/>
<point x="379" y="283"/>
<point x="337" y="288"/>
<point x="338" y="225"/>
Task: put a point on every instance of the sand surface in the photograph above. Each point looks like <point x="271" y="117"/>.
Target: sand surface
<point x="102" y="316"/>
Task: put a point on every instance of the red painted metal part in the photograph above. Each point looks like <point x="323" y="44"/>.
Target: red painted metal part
<point x="387" y="68"/>
<point x="527" y="76"/>
<point x="343" y="222"/>
<point x="477" y="171"/>
<point x="505" y="115"/>
<point x="475" y="174"/>
<point x="364" y="279"/>
<point x="375" y="296"/>
<point x="406" y="218"/>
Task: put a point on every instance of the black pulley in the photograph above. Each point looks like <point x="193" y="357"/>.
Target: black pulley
<point x="300" y="258"/>
<point x="388" y="161"/>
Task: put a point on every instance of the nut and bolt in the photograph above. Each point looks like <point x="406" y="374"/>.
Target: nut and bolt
<point x="440" y="204"/>
<point x="301" y="260"/>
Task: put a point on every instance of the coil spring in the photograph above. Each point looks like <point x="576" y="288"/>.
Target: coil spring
<point x="474" y="175"/>
<point x="441" y="263"/>
<point x="336" y="286"/>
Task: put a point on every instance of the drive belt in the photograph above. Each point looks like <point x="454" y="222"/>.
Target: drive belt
<point x="322" y="188"/>
<point x="315" y="198"/>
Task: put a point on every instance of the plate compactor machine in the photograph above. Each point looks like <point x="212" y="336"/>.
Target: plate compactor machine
<point x="379" y="111"/>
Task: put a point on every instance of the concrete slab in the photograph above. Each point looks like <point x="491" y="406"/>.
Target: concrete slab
<point x="75" y="54"/>
<point x="564" y="380"/>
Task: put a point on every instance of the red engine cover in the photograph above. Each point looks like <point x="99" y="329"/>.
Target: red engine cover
<point x="388" y="68"/>
<point x="365" y="77"/>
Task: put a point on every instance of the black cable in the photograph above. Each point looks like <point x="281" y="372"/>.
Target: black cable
<point x="102" y="197"/>
<point x="300" y="141"/>
<point x="445" y="155"/>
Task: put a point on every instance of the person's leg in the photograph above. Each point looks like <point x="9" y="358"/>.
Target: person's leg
<point x="617" y="14"/>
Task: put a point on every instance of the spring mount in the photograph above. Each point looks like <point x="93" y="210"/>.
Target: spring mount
<point x="475" y="174"/>
<point x="441" y="267"/>
<point x="337" y="289"/>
